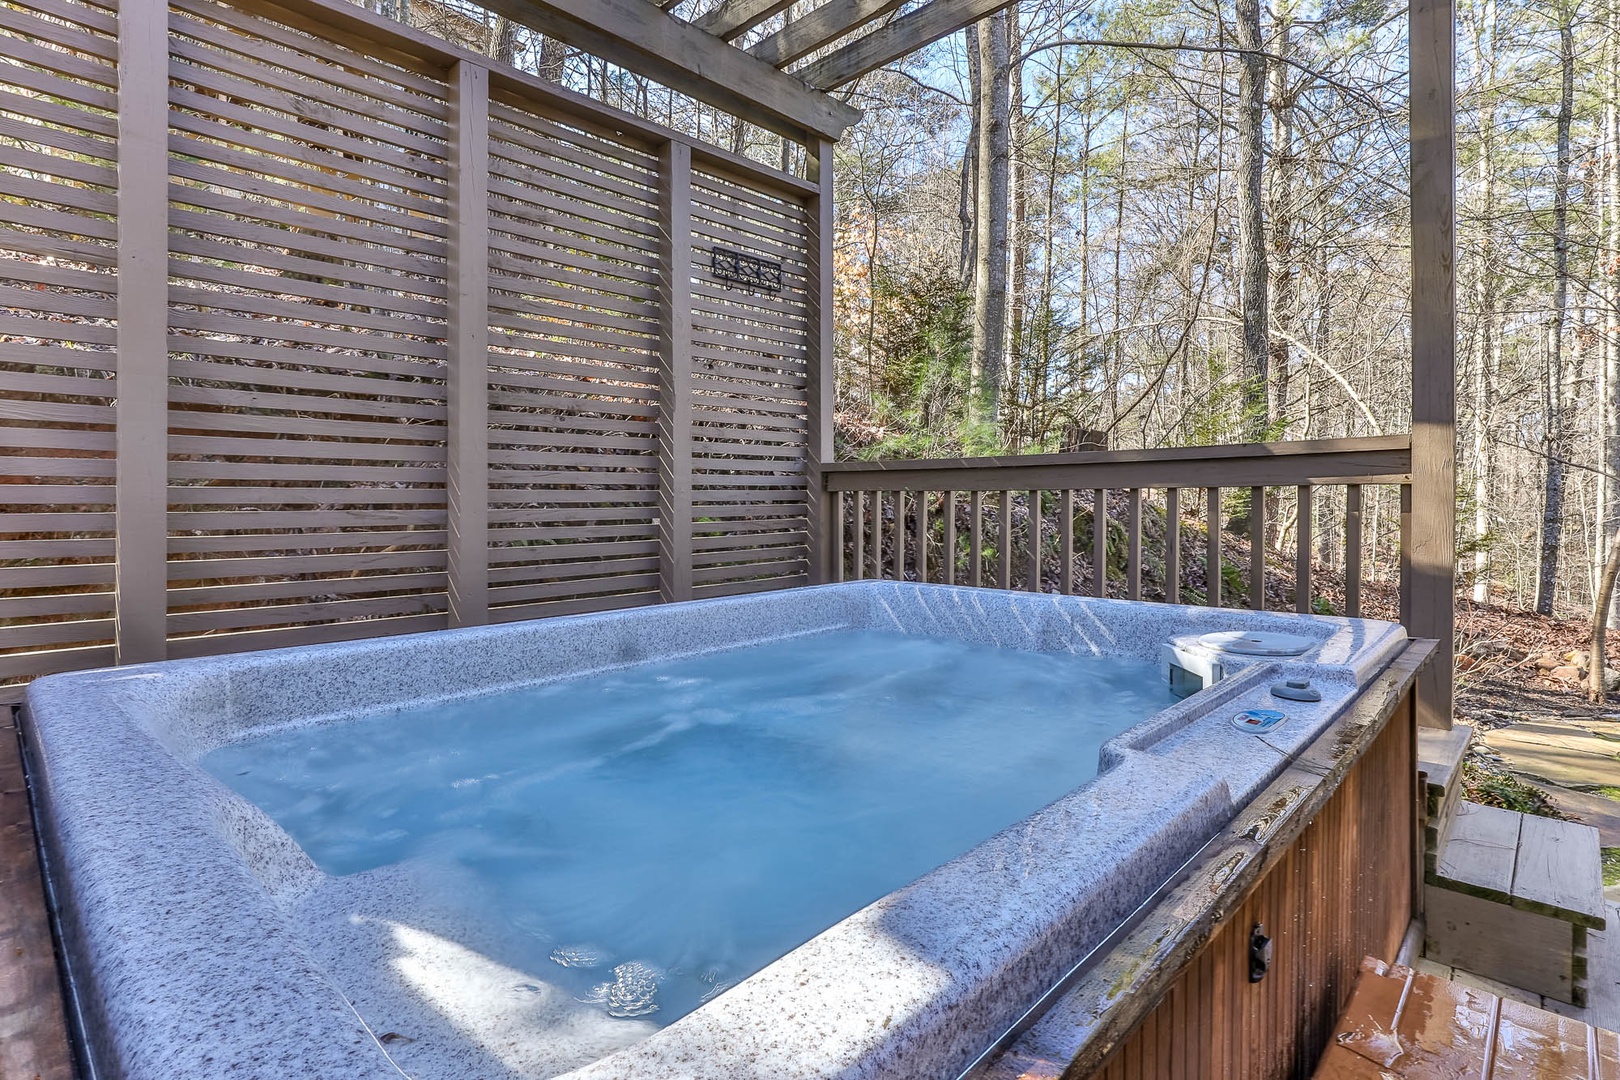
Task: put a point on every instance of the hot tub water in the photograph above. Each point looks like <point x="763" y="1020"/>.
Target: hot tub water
<point x="648" y="836"/>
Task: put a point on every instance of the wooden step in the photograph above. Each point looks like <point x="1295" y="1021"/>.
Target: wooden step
<point x="1440" y="770"/>
<point x="1535" y="864"/>
<point x="1512" y="897"/>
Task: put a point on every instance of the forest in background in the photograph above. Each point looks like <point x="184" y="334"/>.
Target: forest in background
<point x="1136" y="224"/>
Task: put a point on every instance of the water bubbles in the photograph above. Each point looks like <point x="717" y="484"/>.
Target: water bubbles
<point x="633" y="991"/>
<point x="578" y="956"/>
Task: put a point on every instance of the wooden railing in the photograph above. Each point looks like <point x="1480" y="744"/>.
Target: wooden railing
<point x="883" y="515"/>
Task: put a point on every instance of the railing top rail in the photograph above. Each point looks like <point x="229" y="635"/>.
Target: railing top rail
<point x="1382" y="459"/>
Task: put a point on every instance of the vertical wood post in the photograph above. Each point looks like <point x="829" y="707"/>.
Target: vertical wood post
<point x="467" y="341"/>
<point x="1133" y="545"/>
<point x="1034" y="535"/>
<point x="675" y="375"/>
<point x="950" y="539"/>
<point x="836" y="499"/>
<point x="1099" y="542"/>
<point x="1066" y="543"/>
<point x="1430" y="543"/>
<point x="1352" y="550"/>
<point x="1004" y="542"/>
<point x="1302" y="550"/>
<point x="1257" y="548"/>
<point x="141" y="472"/>
<point x="1212" y="548"/>
<point x="1172" y="545"/>
<point x="976" y="538"/>
<point x="819" y="367"/>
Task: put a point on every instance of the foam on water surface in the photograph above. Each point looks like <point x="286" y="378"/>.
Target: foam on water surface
<point x="647" y="837"/>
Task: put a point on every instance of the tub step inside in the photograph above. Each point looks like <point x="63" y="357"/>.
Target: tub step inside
<point x="1440" y="770"/>
<point x="1511" y="897"/>
<point x="1403" y="1025"/>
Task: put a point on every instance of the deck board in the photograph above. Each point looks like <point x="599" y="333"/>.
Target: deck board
<point x="1559" y="868"/>
<point x="33" y="1030"/>
<point x="1482" y="850"/>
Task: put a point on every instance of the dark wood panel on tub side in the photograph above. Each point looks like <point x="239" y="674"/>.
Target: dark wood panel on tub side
<point x="1343" y="890"/>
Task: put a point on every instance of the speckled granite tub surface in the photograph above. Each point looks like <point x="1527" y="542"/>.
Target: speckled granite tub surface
<point x="203" y="942"/>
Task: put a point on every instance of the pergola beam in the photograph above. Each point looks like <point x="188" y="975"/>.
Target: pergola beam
<point x="654" y="43"/>
<point x="736" y="17"/>
<point x="905" y="35"/>
<point x="818" y="27"/>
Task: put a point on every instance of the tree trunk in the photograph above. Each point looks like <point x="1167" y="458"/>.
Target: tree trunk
<point x="553" y="59"/>
<point x="1023" y="406"/>
<point x="1595" y="690"/>
<point x="1557" y="433"/>
<point x="1283" y="277"/>
<point x="1485" y="338"/>
<point x="967" y="197"/>
<point x="502" y="39"/>
<point x="990" y="267"/>
<point x="1610" y="292"/>
<point x="1251" y="225"/>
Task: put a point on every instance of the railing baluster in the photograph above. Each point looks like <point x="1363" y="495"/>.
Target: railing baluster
<point x="860" y="535"/>
<point x="1133" y="549"/>
<point x="1034" y="535"/>
<point x="1066" y="542"/>
<point x="837" y="500"/>
<point x="920" y="541"/>
<point x="1004" y="543"/>
<point x="1257" y="548"/>
<point x="1172" y="545"/>
<point x="1212" y="547"/>
<point x="949" y="576"/>
<point x="1099" y="542"/>
<point x="1352" y="550"/>
<point x="877" y="534"/>
<point x="976" y="538"/>
<point x="1302" y="557"/>
<point x="897" y="542"/>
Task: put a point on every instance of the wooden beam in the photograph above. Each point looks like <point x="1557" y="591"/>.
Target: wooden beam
<point x="467" y="348"/>
<point x="675" y="373"/>
<point x="905" y="35"/>
<point x="140" y="597"/>
<point x="685" y="59"/>
<point x="736" y="17"/>
<point x="1430" y="555"/>
<point x="818" y="27"/>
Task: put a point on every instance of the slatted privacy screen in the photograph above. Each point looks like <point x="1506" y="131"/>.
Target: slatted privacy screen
<point x="398" y="395"/>
<point x="749" y="349"/>
<point x="58" y="148"/>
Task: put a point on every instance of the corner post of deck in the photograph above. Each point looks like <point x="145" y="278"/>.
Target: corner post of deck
<point x="467" y="347"/>
<point x="1430" y="541"/>
<point x="675" y="407"/>
<point x="823" y="547"/>
<point x="141" y="472"/>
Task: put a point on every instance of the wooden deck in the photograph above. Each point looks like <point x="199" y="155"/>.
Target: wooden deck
<point x="33" y="1029"/>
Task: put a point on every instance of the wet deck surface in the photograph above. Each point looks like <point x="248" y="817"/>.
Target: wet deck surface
<point x="33" y="1033"/>
<point x="1402" y="1024"/>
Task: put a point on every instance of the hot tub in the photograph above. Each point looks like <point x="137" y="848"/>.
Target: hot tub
<point x="201" y="938"/>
